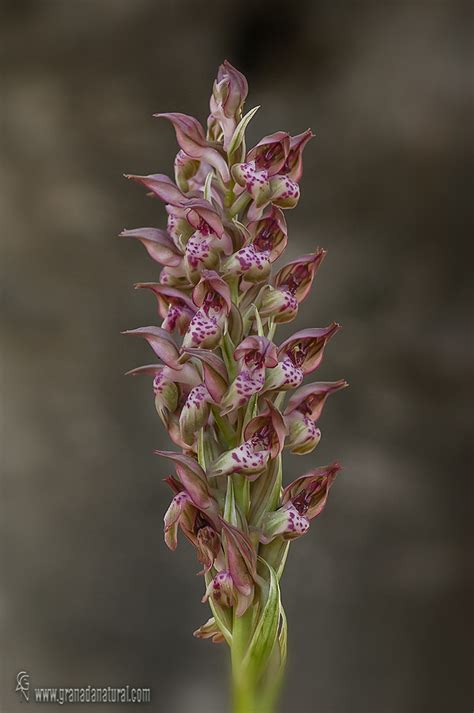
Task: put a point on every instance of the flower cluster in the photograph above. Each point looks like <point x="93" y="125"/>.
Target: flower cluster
<point x="231" y="398"/>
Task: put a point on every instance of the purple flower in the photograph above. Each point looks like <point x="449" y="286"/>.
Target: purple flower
<point x="264" y="438"/>
<point x="254" y="355"/>
<point x="300" y="355"/>
<point x="302" y="500"/>
<point x="303" y="410"/>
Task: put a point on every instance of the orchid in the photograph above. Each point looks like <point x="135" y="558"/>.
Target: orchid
<point x="228" y="393"/>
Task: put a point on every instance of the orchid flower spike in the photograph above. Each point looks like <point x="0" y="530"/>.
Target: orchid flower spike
<point x="229" y="398"/>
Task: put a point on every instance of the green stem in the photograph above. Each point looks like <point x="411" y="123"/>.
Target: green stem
<point x="246" y="695"/>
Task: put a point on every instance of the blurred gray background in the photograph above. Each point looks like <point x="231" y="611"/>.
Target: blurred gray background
<point x="377" y="593"/>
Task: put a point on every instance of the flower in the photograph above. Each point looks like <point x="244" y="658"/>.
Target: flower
<point x="191" y="138"/>
<point x="254" y="354"/>
<point x="212" y="296"/>
<point x="264" y="438"/>
<point x="303" y="410"/>
<point x="175" y="306"/>
<point x="302" y="500"/>
<point x="301" y="354"/>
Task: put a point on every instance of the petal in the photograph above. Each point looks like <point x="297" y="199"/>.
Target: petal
<point x="210" y="630"/>
<point x="212" y="282"/>
<point x="242" y="563"/>
<point x="303" y="435"/>
<point x="195" y="413"/>
<point x="160" y="186"/>
<point x="158" y="244"/>
<point x="243" y="459"/>
<point x="314" y="486"/>
<point x="204" y="332"/>
<point x="256" y="182"/>
<point x="221" y="589"/>
<point x="214" y="372"/>
<point x="272" y="420"/>
<point x="269" y="233"/>
<point x="286" y="521"/>
<point x="172" y="517"/>
<point x="247" y="383"/>
<point x="192" y="477"/>
<point x="161" y="342"/>
<point x="297" y="276"/>
<point x="311" y="398"/>
<point x="294" y="163"/>
<point x="249" y="262"/>
<point x="185" y="168"/>
<point x="310" y="344"/>
<point x="278" y="304"/>
<point x="202" y="215"/>
<point x="271" y="152"/>
<point x="285" y="193"/>
<point x="190" y="137"/>
<point x="258" y="349"/>
<point x="283" y="377"/>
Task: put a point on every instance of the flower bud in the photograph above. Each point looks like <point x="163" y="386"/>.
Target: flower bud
<point x="173" y="516"/>
<point x="184" y="169"/>
<point x="278" y="304"/>
<point x="210" y="630"/>
<point x="247" y="261"/>
<point x="286" y="375"/>
<point x="205" y="331"/>
<point x="245" y="459"/>
<point x="221" y="589"/>
<point x="228" y="96"/>
<point x="286" y="521"/>
<point x="200" y="253"/>
<point x="256" y="182"/>
<point x="284" y="192"/>
<point x="195" y="413"/>
<point x="166" y="395"/>
<point x="208" y="546"/>
<point x="303" y="435"/>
